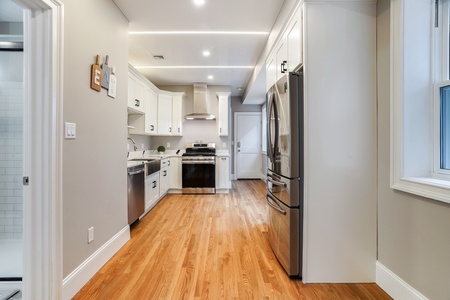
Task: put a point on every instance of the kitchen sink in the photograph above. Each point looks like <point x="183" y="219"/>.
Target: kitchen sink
<point x="152" y="165"/>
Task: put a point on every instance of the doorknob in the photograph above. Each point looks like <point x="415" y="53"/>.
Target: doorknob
<point x="239" y="144"/>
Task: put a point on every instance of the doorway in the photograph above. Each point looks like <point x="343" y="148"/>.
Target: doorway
<point x="11" y="143"/>
<point x="247" y="137"/>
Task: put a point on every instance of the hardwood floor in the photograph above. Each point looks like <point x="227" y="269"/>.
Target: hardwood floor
<point x="208" y="247"/>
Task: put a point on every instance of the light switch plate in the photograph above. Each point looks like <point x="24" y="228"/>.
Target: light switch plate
<point x="70" y="130"/>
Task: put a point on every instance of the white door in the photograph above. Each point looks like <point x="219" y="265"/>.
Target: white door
<point x="247" y="145"/>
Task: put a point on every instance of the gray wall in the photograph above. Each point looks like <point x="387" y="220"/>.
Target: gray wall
<point x="413" y="232"/>
<point x="196" y="130"/>
<point x="95" y="182"/>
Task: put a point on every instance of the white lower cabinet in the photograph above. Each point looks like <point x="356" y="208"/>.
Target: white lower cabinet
<point x="175" y="174"/>
<point x="222" y="174"/>
<point x="151" y="190"/>
<point x="164" y="176"/>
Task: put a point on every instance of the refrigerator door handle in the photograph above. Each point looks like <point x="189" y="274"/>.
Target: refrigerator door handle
<point x="278" y="208"/>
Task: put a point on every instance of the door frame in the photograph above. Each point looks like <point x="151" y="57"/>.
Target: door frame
<point x="236" y="114"/>
<point x="42" y="152"/>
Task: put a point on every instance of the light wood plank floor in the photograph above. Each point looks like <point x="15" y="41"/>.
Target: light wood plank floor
<point x="208" y="247"/>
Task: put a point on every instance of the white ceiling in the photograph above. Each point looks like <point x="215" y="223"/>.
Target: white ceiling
<point x="233" y="56"/>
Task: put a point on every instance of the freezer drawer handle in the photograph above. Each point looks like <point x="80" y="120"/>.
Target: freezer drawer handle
<point x="278" y="208"/>
<point x="276" y="182"/>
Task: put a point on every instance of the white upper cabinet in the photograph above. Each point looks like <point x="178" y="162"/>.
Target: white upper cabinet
<point x="177" y="114"/>
<point x="223" y="116"/>
<point x="151" y="112"/>
<point x="164" y="113"/>
<point x="270" y="72"/>
<point x="287" y="53"/>
<point x="135" y="94"/>
<point x="281" y="59"/>
<point x="294" y="41"/>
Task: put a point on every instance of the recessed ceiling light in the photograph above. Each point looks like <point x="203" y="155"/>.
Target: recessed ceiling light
<point x="199" y="32"/>
<point x="210" y="77"/>
<point x="194" y="67"/>
<point x="206" y="53"/>
<point x="199" y="2"/>
<point x="239" y="88"/>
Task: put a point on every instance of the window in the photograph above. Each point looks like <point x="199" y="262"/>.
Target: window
<point x="443" y="120"/>
<point x="420" y="98"/>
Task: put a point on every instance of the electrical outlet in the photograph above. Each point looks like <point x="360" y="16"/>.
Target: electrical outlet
<point x="168" y="145"/>
<point x="90" y="235"/>
<point x="224" y="145"/>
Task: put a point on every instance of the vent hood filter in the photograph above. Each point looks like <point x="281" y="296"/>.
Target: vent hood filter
<point x="200" y="104"/>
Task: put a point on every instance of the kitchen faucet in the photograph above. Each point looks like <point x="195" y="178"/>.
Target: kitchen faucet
<point x="134" y="143"/>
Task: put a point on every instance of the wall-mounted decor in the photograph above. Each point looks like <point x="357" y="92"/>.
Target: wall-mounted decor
<point x="112" y="83"/>
<point x="96" y="75"/>
<point x="106" y="72"/>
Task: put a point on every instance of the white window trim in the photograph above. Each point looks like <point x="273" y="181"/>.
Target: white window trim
<point x="419" y="181"/>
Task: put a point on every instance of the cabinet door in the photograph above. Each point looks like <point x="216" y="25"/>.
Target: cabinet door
<point x="271" y="76"/>
<point x="164" y="114"/>
<point x="131" y="81"/>
<point x="281" y="59"/>
<point x="222" y="172"/>
<point x="164" y="180"/>
<point x="223" y="116"/>
<point x="136" y="99"/>
<point x="294" y="39"/>
<point x="175" y="173"/>
<point x="177" y="115"/>
<point x="151" y="112"/>
<point x="151" y="190"/>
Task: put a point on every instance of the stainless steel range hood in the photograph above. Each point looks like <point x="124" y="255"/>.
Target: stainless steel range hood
<point x="200" y="104"/>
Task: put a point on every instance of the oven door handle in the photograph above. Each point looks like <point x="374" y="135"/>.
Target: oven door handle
<point x="188" y="162"/>
<point x="278" y="208"/>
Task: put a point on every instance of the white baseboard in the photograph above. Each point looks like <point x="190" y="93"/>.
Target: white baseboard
<point x="81" y="275"/>
<point x="396" y="287"/>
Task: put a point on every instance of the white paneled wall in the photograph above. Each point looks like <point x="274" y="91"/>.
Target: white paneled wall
<point x="11" y="96"/>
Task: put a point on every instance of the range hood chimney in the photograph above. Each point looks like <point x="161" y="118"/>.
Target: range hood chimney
<point x="200" y="104"/>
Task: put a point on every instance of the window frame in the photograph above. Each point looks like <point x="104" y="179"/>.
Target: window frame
<point x="442" y="76"/>
<point x="413" y="104"/>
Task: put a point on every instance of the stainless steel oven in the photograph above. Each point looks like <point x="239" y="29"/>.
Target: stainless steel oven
<point x="199" y="169"/>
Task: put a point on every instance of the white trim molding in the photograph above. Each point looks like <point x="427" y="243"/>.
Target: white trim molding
<point x="42" y="155"/>
<point x="84" y="272"/>
<point x="396" y="287"/>
<point x="411" y="135"/>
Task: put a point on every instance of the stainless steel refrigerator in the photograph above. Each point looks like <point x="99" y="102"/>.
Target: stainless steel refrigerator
<point x="284" y="103"/>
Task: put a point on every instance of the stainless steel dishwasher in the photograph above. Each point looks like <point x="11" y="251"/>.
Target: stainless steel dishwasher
<point x="136" y="192"/>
